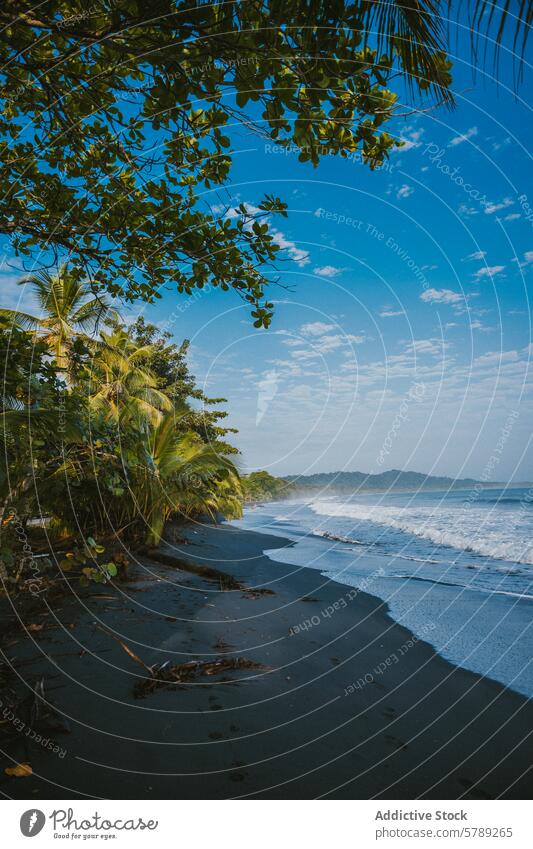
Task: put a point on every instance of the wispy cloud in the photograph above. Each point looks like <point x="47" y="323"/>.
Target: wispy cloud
<point x="495" y="207"/>
<point x="332" y="342"/>
<point x="489" y="271"/>
<point x="322" y="341"/>
<point x="410" y="137"/>
<point x="327" y="271"/>
<point x="316" y="328"/>
<point x="527" y="260"/>
<point x="442" y="296"/>
<point x="390" y="313"/>
<point x="467" y="211"/>
<point x="404" y="191"/>
<point x="497" y="145"/>
<point x="475" y="255"/>
<point x="483" y="328"/>
<point x="434" y="347"/>
<point x="300" y="257"/>
<point x="473" y="131"/>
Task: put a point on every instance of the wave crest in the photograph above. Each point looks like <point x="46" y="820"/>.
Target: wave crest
<point x="478" y="531"/>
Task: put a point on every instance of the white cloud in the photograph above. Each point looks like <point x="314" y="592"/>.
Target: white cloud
<point x="390" y="313"/>
<point x="493" y="357"/>
<point x="497" y="145"/>
<point x="411" y="138"/>
<point x="489" y="271"/>
<point x="528" y="258"/>
<point x="512" y="216"/>
<point x="483" y="328"/>
<point x="299" y="256"/>
<point x="495" y="207"/>
<point x="467" y="211"/>
<point x="303" y="354"/>
<point x="476" y="255"/>
<point x="426" y="346"/>
<point x="327" y="271"/>
<point x="233" y="212"/>
<point x="316" y="328"/>
<point x="404" y="191"/>
<point x="442" y="296"/>
<point x="325" y="344"/>
<point x="468" y="135"/>
<point x="329" y="343"/>
<point x="322" y="341"/>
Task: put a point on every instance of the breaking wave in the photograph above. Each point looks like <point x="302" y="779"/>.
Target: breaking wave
<point x="502" y="535"/>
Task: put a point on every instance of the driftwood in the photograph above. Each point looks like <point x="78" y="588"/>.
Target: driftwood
<point x="164" y="674"/>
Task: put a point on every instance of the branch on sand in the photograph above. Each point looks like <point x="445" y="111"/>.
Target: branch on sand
<point x="164" y="674"/>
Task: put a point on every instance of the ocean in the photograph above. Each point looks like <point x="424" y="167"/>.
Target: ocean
<point x="455" y="567"/>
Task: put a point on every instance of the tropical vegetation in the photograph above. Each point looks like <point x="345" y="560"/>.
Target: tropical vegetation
<point x="104" y="432"/>
<point x="262" y="486"/>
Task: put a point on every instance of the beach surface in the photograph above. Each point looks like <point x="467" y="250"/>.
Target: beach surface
<point x="345" y="703"/>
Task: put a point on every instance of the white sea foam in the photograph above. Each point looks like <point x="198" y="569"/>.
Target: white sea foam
<point x="503" y="535"/>
<point x="417" y="559"/>
<point x="334" y="538"/>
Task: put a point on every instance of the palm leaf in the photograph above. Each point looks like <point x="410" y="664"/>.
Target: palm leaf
<point x="414" y="30"/>
<point x="492" y="20"/>
<point x="22" y="319"/>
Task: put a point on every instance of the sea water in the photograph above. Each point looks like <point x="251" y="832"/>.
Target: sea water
<point x="455" y="567"/>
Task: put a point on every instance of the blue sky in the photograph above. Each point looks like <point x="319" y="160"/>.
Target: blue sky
<point x="401" y="336"/>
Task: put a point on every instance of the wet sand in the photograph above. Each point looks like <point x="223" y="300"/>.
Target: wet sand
<point x="348" y="706"/>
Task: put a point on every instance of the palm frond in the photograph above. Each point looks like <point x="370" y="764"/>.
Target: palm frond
<point x="491" y="21"/>
<point x="414" y="30"/>
<point x="22" y="319"/>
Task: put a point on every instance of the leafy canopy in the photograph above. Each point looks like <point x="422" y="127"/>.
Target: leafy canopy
<point x="116" y="113"/>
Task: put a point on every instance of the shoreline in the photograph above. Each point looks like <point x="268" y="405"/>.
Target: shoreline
<point x="350" y="706"/>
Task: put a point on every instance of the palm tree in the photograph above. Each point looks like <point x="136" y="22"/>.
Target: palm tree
<point x="177" y="472"/>
<point x="416" y="30"/>
<point x="70" y="310"/>
<point x="121" y="387"/>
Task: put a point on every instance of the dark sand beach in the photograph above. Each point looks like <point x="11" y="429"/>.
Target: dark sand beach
<point x="300" y="728"/>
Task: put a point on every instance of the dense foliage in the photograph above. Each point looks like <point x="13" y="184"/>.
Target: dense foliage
<point x="116" y="114"/>
<point x="103" y="433"/>
<point x="262" y="486"/>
